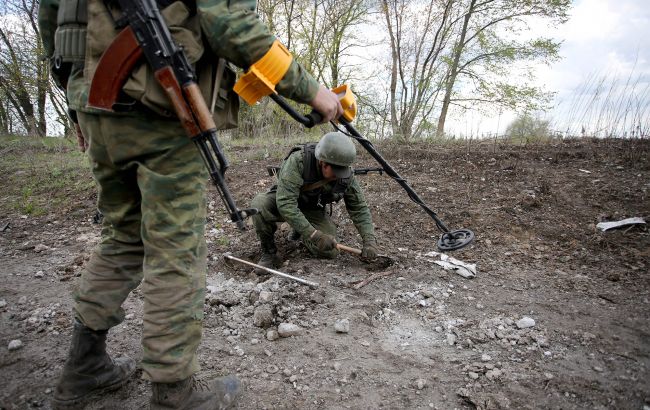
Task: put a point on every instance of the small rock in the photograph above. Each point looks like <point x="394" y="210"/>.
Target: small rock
<point x="212" y="289"/>
<point x="254" y="341"/>
<point x="286" y="372"/>
<point x="598" y="369"/>
<point x="293" y="378"/>
<point x="263" y="316"/>
<point x="438" y="329"/>
<point x="48" y="391"/>
<point x="342" y="326"/>
<point x="420" y="384"/>
<point x="525" y="322"/>
<point x="22" y="300"/>
<point x="548" y="376"/>
<point x="451" y="339"/>
<point x="473" y="375"/>
<point x="3" y="303"/>
<point x="486" y="358"/>
<point x="130" y="316"/>
<point x="272" y="369"/>
<point x="336" y="366"/>
<point x="289" y="329"/>
<point x="272" y="335"/>
<point x="493" y="374"/>
<point x="265" y="296"/>
<point x="15" y="344"/>
<point x="423" y="303"/>
<point x="40" y="248"/>
<point x="39" y="274"/>
<point x="364" y="343"/>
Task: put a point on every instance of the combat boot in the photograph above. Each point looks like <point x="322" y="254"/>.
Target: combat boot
<point x="269" y="259"/>
<point x="89" y="370"/>
<point x="193" y="394"/>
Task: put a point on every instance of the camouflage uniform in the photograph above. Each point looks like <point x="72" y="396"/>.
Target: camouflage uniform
<point x="151" y="183"/>
<point x="281" y="204"/>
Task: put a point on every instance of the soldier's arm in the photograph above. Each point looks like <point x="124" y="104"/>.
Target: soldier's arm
<point x="235" y="33"/>
<point x="286" y="198"/>
<point x="357" y="208"/>
<point x="47" y="12"/>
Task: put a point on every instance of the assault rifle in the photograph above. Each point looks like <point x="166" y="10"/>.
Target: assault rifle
<point x="273" y="170"/>
<point x="145" y="33"/>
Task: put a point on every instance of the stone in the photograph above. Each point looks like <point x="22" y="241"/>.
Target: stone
<point x="40" y="248"/>
<point x="3" y="303"/>
<point x="525" y="322"/>
<point x="39" y="274"/>
<point x="473" y="375"/>
<point x="293" y="378"/>
<point x="486" y="358"/>
<point x="272" y="335"/>
<point x="265" y="296"/>
<point x="493" y="374"/>
<point x="15" y="344"/>
<point x="289" y="329"/>
<point x="263" y="316"/>
<point x="420" y="384"/>
<point x="272" y="369"/>
<point x="451" y="339"/>
<point x="342" y="326"/>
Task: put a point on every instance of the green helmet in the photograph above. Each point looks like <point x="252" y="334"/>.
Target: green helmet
<point x="337" y="149"/>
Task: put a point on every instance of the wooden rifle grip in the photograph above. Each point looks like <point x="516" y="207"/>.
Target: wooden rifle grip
<point x="199" y="107"/>
<point x="167" y="80"/>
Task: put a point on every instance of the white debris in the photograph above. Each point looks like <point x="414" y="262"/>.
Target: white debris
<point x="3" y="303"/>
<point x="466" y="270"/>
<point x="525" y="322"/>
<point x="604" y="226"/>
<point x="451" y="339"/>
<point x="342" y="326"/>
<point x="15" y="344"/>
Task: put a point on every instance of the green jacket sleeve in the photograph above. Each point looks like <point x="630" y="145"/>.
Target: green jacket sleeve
<point x="286" y="198"/>
<point x="358" y="210"/>
<point x="47" y="12"/>
<point x="235" y="33"/>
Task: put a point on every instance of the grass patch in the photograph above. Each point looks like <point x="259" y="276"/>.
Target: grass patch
<point x="40" y="174"/>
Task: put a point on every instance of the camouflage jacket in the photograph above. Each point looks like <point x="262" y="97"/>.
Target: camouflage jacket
<point x="290" y="181"/>
<point x="231" y="28"/>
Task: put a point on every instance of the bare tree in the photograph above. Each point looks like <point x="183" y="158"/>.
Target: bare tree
<point x="24" y="77"/>
<point x="419" y="33"/>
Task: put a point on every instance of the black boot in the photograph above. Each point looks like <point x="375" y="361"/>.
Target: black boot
<point x="269" y="258"/>
<point x="193" y="394"/>
<point x="89" y="370"/>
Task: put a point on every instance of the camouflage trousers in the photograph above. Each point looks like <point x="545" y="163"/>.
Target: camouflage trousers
<point x="266" y="220"/>
<point x="151" y="190"/>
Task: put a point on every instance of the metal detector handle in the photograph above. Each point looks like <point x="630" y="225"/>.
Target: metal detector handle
<point x="309" y="121"/>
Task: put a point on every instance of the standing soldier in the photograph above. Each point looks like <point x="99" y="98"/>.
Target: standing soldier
<point x="151" y="182"/>
<point x="310" y="178"/>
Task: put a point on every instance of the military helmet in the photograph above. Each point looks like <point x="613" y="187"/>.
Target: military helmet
<point x="336" y="148"/>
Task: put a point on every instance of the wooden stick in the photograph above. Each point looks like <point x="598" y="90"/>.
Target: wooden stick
<point x="350" y="249"/>
<point x="273" y="271"/>
<point x="372" y="277"/>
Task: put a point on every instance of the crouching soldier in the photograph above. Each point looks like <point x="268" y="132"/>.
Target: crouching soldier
<point x="310" y="177"/>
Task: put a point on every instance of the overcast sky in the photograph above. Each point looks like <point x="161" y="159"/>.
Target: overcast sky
<point x="602" y="37"/>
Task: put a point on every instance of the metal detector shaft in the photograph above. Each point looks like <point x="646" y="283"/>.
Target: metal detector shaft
<point x="273" y="271"/>
<point x="392" y="173"/>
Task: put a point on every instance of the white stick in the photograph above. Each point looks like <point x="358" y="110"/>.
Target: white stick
<point x="273" y="271"/>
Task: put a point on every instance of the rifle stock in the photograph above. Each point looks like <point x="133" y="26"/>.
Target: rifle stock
<point x="148" y="35"/>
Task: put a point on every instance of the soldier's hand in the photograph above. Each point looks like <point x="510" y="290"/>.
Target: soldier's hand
<point x="370" y="250"/>
<point x="81" y="140"/>
<point x="327" y="104"/>
<point x="323" y="241"/>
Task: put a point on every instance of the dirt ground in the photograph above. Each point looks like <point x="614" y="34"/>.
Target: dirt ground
<point x="419" y="336"/>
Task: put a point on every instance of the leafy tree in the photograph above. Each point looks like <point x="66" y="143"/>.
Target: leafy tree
<point x="527" y="127"/>
<point x="482" y="63"/>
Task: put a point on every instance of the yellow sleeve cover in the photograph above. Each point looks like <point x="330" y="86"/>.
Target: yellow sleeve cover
<point x="262" y="77"/>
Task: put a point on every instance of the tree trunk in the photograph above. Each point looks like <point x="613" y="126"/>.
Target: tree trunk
<point x="453" y="72"/>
